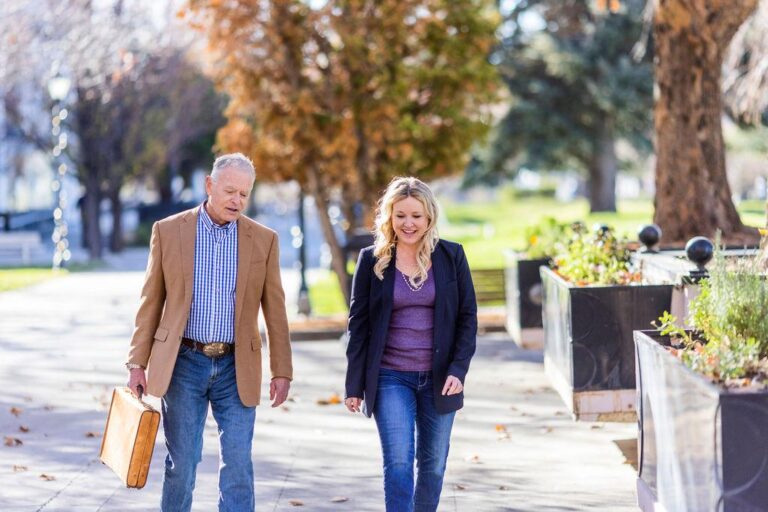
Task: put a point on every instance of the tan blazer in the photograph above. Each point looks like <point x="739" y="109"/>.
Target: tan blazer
<point x="167" y="296"/>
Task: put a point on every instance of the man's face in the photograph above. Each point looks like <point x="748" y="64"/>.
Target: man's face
<point x="228" y="194"/>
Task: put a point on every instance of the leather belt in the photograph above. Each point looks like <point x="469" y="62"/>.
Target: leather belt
<point x="212" y="350"/>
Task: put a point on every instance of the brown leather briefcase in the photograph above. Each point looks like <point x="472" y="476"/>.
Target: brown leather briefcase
<point x="129" y="437"/>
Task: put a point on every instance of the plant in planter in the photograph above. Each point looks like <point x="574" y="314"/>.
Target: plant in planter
<point x="730" y="318"/>
<point x="544" y="239"/>
<point x="523" y="282"/>
<point x="595" y="258"/>
<point x="593" y="301"/>
<point x="703" y="396"/>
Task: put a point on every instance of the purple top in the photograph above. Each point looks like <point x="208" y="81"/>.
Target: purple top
<point x="409" y="339"/>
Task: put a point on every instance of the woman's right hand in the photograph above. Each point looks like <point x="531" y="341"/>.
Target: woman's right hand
<point x="353" y="404"/>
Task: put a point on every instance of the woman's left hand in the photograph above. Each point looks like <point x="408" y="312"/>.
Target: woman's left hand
<point x="452" y="386"/>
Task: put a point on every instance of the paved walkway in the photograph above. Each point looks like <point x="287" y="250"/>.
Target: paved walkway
<point x="62" y="344"/>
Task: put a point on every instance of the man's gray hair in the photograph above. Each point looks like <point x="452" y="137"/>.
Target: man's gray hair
<point x="233" y="161"/>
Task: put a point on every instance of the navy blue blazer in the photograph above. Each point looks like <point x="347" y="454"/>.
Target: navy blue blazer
<point x="455" y="326"/>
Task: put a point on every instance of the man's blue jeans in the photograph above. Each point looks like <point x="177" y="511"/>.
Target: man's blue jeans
<point x="198" y="380"/>
<point x="404" y="404"/>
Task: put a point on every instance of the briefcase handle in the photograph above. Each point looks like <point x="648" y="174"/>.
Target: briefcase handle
<point x="140" y="389"/>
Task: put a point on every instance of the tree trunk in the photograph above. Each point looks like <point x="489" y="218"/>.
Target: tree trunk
<point x="84" y="223"/>
<point x="92" y="212"/>
<point x="349" y="200"/>
<point x="692" y="192"/>
<point x="338" y="258"/>
<point x="116" y="237"/>
<point x="602" y="174"/>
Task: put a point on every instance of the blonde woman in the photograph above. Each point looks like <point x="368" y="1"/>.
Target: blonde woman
<point x="412" y="329"/>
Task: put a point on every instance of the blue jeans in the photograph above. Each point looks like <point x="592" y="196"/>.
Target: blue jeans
<point x="404" y="404"/>
<point x="197" y="381"/>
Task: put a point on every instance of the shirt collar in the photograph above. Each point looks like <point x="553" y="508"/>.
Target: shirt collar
<point x="212" y="226"/>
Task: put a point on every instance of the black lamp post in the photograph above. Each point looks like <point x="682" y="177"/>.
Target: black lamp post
<point x="58" y="88"/>
<point x="304" y="306"/>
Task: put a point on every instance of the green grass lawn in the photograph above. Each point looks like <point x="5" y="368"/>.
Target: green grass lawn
<point x="486" y="230"/>
<point x="13" y="278"/>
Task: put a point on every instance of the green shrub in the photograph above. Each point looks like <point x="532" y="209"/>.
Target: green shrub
<point x="544" y="238"/>
<point x="729" y="343"/>
<point x="596" y="257"/>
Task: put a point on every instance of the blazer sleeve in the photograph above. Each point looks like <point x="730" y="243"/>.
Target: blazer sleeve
<point x="150" y="305"/>
<point x="275" y="316"/>
<point x="466" y="320"/>
<point x="359" y="326"/>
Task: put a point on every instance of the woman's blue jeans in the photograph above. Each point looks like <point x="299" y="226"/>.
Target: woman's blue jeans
<point x="197" y="381"/>
<point x="405" y="406"/>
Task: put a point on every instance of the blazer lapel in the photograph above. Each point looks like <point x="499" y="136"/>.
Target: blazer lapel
<point x="440" y="269"/>
<point x="387" y="296"/>
<point x="188" y="234"/>
<point x="244" y="251"/>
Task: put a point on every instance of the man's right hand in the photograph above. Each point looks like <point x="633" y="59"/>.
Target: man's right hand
<point x="137" y="378"/>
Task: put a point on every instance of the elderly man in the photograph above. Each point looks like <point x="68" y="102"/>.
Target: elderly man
<point x="197" y="334"/>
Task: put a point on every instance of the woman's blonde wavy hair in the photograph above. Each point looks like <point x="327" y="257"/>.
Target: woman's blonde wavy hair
<point x="386" y="239"/>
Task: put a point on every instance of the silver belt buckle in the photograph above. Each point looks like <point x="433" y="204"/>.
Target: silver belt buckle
<point x="215" y="349"/>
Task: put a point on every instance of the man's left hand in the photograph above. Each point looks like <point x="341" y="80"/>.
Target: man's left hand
<point x="278" y="390"/>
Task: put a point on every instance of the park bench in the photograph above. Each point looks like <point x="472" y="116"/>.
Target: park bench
<point x="490" y="288"/>
<point x="19" y="246"/>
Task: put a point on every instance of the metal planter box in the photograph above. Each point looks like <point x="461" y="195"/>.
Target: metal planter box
<point x="701" y="447"/>
<point x="588" y="349"/>
<point x="523" y="306"/>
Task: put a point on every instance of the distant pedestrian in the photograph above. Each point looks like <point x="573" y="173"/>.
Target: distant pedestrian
<point x="210" y="270"/>
<point x="412" y="330"/>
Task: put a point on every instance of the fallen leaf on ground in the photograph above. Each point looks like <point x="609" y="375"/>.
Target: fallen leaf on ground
<point x="48" y="407"/>
<point x="16" y="411"/>
<point x="334" y="399"/>
<point x="23" y="428"/>
<point x="595" y="427"/>
<point x="547" y="430"/>
<point x="503" y="488"/>
<point x="93" y="434"/>
<point x="460" y="487"/>
<point x="285" y="408"/>
<point x="559" y="413"/>
<point x="339" y="499"/>
<point x="19" y="469"/>
<point x="475" y="459"/>
<point x="47" y="478"/>
<point x="296" y="503"/>
<point x="501" y="428"/>
<point x="13" y="441"/>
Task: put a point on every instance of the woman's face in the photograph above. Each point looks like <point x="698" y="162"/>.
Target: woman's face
<point x="409" y="220"/>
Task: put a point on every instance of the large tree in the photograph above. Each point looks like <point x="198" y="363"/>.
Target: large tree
<point x="746" y="71"/>
<point x="576" y="90"/>
<point x="138" y="106"/>
<point x="145" y="124"/>
<point x="692" y="192"/>
<point x="344" y="96"/>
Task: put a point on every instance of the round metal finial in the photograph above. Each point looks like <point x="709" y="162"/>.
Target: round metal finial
<point x="649" y="235"/>
<point x="700" y="250"/>
<point x="601" y="229"/>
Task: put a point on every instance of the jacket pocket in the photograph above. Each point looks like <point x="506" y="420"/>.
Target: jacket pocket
<point x="161" y="334"/>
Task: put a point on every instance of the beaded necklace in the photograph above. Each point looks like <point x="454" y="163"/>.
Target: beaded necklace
<point x="410" y="286"/>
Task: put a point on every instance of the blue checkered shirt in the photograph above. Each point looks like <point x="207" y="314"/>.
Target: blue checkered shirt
<point x="212" y="314"/>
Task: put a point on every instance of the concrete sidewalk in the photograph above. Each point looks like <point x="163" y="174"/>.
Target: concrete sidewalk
<point x="62" y="344"/>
